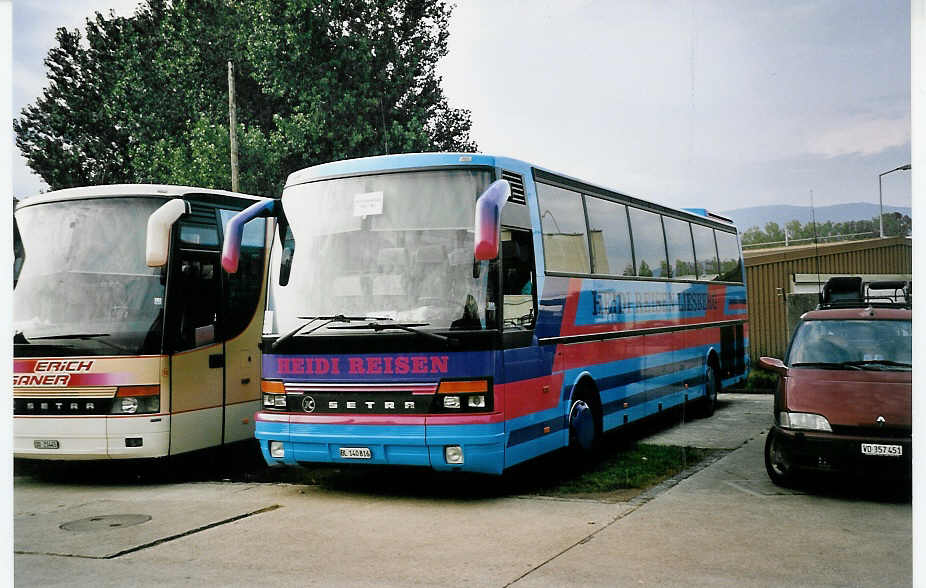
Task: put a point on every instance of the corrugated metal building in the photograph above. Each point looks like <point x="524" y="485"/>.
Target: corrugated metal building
<point x="771" y="273"/>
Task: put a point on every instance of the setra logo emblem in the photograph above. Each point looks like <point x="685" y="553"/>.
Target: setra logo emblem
<point x="880" y="420"/>
<point x="308" y="404"/>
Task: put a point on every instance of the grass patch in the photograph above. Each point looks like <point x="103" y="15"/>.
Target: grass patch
<point x="637" y="467"/>
<point x="760" y="380"/>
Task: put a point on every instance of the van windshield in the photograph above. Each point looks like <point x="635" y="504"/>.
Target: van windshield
<point x="862" y="344"/>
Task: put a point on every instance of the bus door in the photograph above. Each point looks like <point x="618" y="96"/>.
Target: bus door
<point x="197" y="363"/>
<point x="526" y="364"/>
<point x="242" y="299"/>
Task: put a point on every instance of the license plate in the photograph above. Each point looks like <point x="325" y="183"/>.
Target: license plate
<point x="45" y="443"/>
<point x="356" y="453"/>
<point x="878" y="449"/>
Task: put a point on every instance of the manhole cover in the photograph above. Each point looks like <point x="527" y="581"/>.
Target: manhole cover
<point x="101" y="522"/>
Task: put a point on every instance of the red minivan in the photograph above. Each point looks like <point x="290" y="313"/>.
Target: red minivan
<point x="844" y="393"/>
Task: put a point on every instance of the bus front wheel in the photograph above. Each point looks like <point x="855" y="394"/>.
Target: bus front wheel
<point x="584" y="428"/>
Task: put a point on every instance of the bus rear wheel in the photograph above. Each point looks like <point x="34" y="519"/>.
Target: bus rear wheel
<point x="711" y="388"/>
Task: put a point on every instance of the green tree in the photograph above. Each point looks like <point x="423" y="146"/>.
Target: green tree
<point x="144" y="98"/>
<point x="896" y="224"/>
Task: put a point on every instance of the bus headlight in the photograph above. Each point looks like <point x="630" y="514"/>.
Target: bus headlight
<point x="274" y="394"/>
<point x="474" y="395"/>
<point x="128" y="405"/>
<point x="137" y="400"/>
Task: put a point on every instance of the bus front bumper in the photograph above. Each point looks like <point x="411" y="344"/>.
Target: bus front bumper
<point x="301" y="440"/>
<point x="86" y="438"/>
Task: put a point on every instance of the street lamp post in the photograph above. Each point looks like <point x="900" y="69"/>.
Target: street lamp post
<point x="880" y="199"/>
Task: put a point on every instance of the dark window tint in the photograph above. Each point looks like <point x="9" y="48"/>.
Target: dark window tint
<point x="681" y="254"/>
<point x="648" y="244"/>
<point x="609" y="235"/>
<point x="705" y="252"/>
<point x="194" y="296"/>
<point x="731" y="268"/>
<point x="243" y="288"/>
<point x="517" y="251"/>
<point x="194" y="233"/>
<point x="562" y="218"/>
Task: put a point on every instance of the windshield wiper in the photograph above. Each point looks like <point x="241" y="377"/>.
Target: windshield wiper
<point x="828" y="365"/>
<point x="83" y="337"/>
<point x="73" y="336"/>
<point x="877" y="362"/>
<point x="327" y="320"/>
<point x="409" y="327"/>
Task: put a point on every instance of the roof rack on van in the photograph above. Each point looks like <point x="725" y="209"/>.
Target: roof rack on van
<point x="852" y="292"/>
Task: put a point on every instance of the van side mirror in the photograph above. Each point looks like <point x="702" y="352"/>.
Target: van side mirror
<point x="488" y="223"/>
<point x="234" y="230"/>
<point x="774" y="365"/>
<point x="160" y="223"/>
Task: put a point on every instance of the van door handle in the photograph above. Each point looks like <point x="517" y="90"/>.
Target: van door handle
<point x="217" y="360"/>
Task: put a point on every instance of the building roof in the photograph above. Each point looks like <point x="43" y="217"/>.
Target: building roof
<point x="778" y="254"/>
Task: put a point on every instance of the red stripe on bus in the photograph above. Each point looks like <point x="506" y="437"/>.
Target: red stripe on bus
<point x="340" y="419"/>
<point x="579" y="355"/>
<point x="528" y="396"/>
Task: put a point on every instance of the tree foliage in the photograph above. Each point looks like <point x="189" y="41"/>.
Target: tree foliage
<point x="144" y="98"/>
<point x="895" y="224"/>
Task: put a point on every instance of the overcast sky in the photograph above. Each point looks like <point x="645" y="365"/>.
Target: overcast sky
<point x="716" y="104"/>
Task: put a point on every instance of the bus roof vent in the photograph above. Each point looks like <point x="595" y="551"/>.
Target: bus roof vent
<point x="517" y="187"/>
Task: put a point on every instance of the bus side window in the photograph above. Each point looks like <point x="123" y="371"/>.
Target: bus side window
<point x="243" y="289"/>
<point x="196" y="298"/>
<point x="518" y="283"/>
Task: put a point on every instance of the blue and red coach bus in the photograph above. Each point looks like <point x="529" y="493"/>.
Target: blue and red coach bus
<point x="470" y="312"/>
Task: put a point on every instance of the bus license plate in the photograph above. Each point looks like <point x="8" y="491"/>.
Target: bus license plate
<point x="45" y="443"/>
<point x="878" y="449"/>
<point x="356" y="453"/>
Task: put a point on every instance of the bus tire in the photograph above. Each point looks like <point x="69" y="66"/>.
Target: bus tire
<point x="778" y="462"/>
<point x="585" y="421"/>
<point x="712" y="387"/>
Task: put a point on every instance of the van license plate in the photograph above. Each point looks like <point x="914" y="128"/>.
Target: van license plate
<point x="878" y="449"/>
<point x="356" y="453"/>
<point x="45" y="443"/>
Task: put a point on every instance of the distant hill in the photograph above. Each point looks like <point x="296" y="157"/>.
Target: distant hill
<point x="757" y="216"/>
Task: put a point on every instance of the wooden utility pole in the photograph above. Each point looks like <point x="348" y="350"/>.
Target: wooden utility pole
<point x="232" y="126"/>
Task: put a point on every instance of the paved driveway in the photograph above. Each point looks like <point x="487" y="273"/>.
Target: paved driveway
<point x="722" y="524"/>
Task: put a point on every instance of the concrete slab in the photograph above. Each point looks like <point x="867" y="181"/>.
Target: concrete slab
<point x="738" y="418"/>
<point x="44" y="512"/>
<point x="728" y="525"/>
<point x="319" y="537"/>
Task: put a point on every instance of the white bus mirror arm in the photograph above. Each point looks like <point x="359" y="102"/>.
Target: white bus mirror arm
<point x="159" y="226"/>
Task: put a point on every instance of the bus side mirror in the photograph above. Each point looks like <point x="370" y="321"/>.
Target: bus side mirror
<point x="488" y="222"/>
<point x="159" y="225"/>
<point x="234" y="229"/>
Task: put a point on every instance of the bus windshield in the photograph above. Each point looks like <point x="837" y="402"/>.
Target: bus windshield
<point x="397" y="246"/>
<point x="84" y="284"/>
